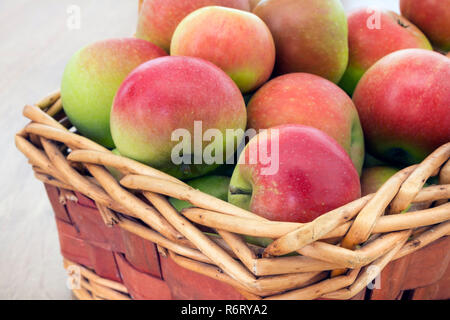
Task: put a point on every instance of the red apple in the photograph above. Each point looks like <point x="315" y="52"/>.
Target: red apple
<point x="312" y="175"/>
<point x="170" y="94"/>
<point x="159" y="18"/>
<point x="373" y="34"/>
<point x="236" y="41"/>
<point x="307" y="99"/>
<point x="310" y="36"/>
<point x="403" y="102"/>
<point x="432" y="17"/>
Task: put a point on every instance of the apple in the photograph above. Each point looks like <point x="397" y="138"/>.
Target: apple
<point x="432" y="17"/>
<point x="253" y="3"/>
<point x="224" y="170"/>
<point x="159" y="18"/>
<point x="308" y="174"/>
<point x="92" y="77"/>
<point x="310" y="36"/>
<point x="236" y="41"/>
<point x="113" y="171"/>
<point x="373" y="34"/>
<point x="373" y="178"/>
<point x="169" y="94"/>
<point x="216" y="186"/>
<point x="370" y="161"/>
<point x="403" y="102"/>
<point x="307" y="99"/>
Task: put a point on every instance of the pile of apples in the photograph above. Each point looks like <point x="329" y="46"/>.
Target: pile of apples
<point x="343" y="93"/>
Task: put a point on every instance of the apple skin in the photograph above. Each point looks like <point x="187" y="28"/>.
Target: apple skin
<point x="432" y="17"/>
<point x="158" y="19"/>
<point x="92" y="77"/>
<point x="403" y="102"/>
<point x="310" y="36"/>
<point x="236" y="41"/>
<point x="370" y="161"/>
<point x="147" y="110"/>
<point x="315" y="175"/>
<point x="373" y="178"/>
<point x="253" y="3"/>
<point x="113" y="171"/>
<point x="307" y="99"/>
<point x="213" y="185"/>
<point x="395" y="33"/>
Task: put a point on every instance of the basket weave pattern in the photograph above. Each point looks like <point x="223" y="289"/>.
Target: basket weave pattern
<point x="354" y="242"/>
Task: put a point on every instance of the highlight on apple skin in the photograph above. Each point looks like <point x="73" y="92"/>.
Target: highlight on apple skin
<point x="315" y="175"/>
<point x="168" y="94"/>
<point x="307" y="99"/>
<point x="310" y="36"/>
<point x="236" y="41"/>
<point x="159" y="18"/>
<point x="403" y="102"/>
<point x="432" y="17"/>
<point x="91" y="78"/>
<point x="372" y="34"/>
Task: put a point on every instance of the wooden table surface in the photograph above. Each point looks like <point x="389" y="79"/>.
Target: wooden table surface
<point x="37" y="39"/>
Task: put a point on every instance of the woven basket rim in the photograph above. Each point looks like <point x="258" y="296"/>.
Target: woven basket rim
<point x="351" y="241"/>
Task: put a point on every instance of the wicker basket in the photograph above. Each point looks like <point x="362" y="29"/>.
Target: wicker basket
<point x="126" y="241"/>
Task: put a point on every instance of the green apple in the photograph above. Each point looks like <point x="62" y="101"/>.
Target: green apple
<point x="213" y="185"/>
<point x="373" y="178"/>
<point x="114" y="172"/>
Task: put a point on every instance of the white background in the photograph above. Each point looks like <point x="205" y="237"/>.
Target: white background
<point x="35" y="44"/>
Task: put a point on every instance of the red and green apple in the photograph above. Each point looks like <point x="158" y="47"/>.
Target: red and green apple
<point x="314" y="175"/>
<point x="432" y="17"/>
<point x="403" y="102"/>
<point x="236" y="41"/>
<point x="92" y="77"/>
<point x="159" y="18"/>
<point x="373" y="34"/>
<point x="169" y="94"/>
<point x="307" y="99"/>
<point x="310" y="36"/>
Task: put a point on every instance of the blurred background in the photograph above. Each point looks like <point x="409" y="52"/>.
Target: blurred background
<point x="37" y="39"/>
